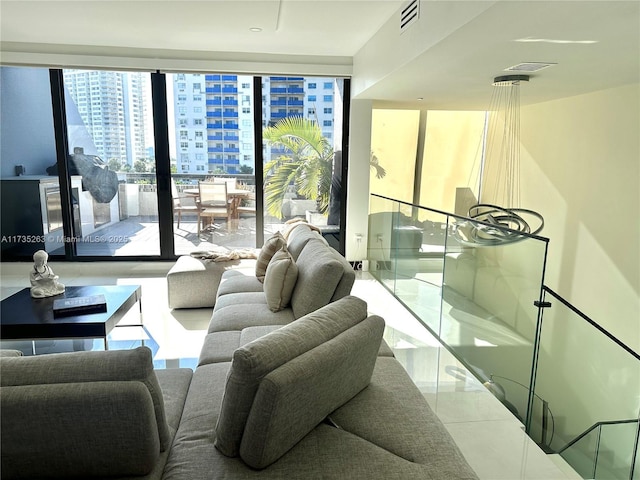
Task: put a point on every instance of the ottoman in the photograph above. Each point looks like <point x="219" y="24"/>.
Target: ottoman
<point x="193" y="283"/>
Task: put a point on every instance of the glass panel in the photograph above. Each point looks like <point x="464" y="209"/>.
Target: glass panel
<point x="382" y="221"/>
<point x="615" y="451"/>
<point x="302" y="120"/>
<point x="112" y="162"/>
<point x="31" y="206"/>
<point x="488" y="314"/>
<point x="583" y="389"/>
<point x="211" y="138"/>
<point x="582" y="455"/>
<point x="417" y="252"/>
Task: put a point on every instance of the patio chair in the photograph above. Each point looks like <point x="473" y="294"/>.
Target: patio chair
<point x="247" y="205"/>
<point x="213" y="202"/>
<point x="178" y="207"/>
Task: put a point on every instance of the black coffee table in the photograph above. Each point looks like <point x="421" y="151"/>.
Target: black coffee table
<point x="23" y="317"/>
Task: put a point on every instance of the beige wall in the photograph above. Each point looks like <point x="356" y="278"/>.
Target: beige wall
<point x="581" y="169"/>
<point x="452" y="157"/>
<point x="394" y="138"/>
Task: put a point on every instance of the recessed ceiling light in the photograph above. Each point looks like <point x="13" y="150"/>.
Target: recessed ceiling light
<point x="255" y="29"/>
<point x="551" y="40"/>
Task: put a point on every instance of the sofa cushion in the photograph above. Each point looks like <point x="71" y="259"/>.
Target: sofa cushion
<point x="79" y="430"/>
<point x="268" y="250"/>
<point x="256" y="359"/>
<point x="319" y="272"/>
<point x="347" y="279"/>
<point x="234" y="281"/>
<point x="219" y="346"/>
<point x="281" y="276"/>
<point x="393" y="414"/>
<point x="78" y="367"/>
<point x="239" y="315"/>
<point x="297" y="236"/>
<point x="295" y="397"/>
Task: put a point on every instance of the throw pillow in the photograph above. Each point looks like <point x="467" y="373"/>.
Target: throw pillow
<point x="280" y="279"/>
<point x="268" y="250"/>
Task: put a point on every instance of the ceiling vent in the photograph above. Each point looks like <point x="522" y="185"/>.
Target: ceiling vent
<point x="529" y="67"/>
<point x="409" y="15"/>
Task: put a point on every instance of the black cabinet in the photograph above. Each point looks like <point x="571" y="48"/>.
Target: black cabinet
<point x="31" y="216"/>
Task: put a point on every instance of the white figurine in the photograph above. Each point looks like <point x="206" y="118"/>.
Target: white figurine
<point x="44" y="283"/>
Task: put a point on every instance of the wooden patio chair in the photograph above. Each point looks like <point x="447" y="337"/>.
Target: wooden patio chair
<point x="213" y="202"/>
<point x="178" y="207"/>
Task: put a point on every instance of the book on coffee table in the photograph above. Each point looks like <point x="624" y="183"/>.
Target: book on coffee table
<point x="64" y="307"/>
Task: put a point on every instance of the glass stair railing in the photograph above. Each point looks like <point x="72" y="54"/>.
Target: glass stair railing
<point x="604" y="451"/>
<point x="555" y="369"/>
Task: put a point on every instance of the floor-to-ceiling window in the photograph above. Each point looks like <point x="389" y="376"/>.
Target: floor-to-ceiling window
<point x="212" y="141"/>
<point x="126" y="154"/>
<point x="430" y="158"/>
<point x="112" y="165"/>
<point x="303" y="134"/>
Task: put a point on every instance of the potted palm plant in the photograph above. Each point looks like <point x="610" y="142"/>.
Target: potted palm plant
<point x="306" y="164"/>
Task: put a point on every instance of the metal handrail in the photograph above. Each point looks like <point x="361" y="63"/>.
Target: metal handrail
<point x="594" y="324"/>
<point x="592" y="428"/>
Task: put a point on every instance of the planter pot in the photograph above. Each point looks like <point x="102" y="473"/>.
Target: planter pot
<point x="315" y="218"/>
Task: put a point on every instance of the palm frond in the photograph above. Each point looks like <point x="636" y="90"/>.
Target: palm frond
<point x="307" y="163"/>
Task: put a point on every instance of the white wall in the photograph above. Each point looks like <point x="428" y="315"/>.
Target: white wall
<point x="26" y="121"/>
<point x="581" y="169"/>
<point x="358" y="179"/>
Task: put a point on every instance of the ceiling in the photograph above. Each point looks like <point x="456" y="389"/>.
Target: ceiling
<point x="299" y="27"/>
<point x="453" y="71"/>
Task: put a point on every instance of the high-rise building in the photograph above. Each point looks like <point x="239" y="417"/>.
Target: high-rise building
<point x="112" y="106"/>
<point x="214" y="125"/>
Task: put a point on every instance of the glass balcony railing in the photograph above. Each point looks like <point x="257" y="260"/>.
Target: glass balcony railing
<point x="479" y="287"/>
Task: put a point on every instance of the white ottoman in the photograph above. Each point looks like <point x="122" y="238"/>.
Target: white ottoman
<point x="193" y="283"/>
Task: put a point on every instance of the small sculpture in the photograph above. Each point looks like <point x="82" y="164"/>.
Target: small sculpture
<point x="44" y="283"/>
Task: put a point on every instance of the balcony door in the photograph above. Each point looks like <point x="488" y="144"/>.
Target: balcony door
<point x="111" y="163"/>
<point x="212" y="140"/>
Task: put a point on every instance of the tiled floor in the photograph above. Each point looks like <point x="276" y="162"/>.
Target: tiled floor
<point x="491" y="439"/>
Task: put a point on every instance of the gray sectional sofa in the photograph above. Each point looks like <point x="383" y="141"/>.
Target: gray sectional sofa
<point x="308" y="391"/>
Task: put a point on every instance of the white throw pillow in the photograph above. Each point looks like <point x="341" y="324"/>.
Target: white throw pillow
<point x="280" y="279"/>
